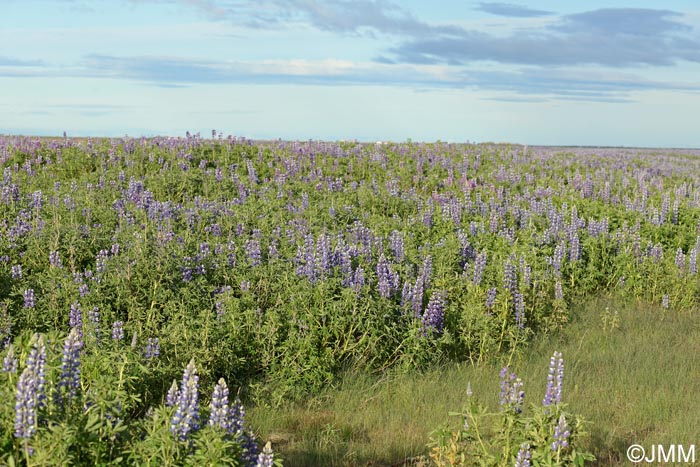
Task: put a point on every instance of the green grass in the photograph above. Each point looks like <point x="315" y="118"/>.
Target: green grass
<point x="633" y="375"/>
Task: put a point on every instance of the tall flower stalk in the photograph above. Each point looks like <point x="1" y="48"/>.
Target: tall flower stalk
<point x="186" y="417"/>
<point x="30" y="395"/>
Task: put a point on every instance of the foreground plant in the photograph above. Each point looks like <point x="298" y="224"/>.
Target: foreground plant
<point x="546" y="435"/>
<point x="96" y="416"/>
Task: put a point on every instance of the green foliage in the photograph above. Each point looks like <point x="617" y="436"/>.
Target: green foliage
<point x="108" y="421"/>
<point x="496" y="439"/>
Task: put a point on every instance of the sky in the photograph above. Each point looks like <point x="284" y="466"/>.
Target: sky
<point x="595" y="73"/>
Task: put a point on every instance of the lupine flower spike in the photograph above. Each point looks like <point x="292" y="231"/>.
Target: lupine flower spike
<point x="555" y="380"/>
<point x="186" y="417"/>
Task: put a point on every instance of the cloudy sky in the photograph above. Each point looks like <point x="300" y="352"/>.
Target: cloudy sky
<point x="532" y="72"/>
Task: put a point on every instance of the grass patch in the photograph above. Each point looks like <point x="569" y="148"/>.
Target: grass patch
<point x="631" y="371"/>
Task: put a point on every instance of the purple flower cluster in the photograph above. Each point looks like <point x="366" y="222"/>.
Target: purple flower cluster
<point x="152" y="349"/>
<point x="30" y="394"/>
<point x="512" y="395"/>
<point x="29" y="301"/>
<point x="434" y="316"/>
<point x="186" y="417"/>
<point x="555" y="380"/>
<point x="491" y="297"/>
<point x="94" y="318"/>
<point x="69" y="381"/>
<point x="558" y="291"/>
<point x="118" y="330"/>
<point x="479" y="266"/>
<point x="561" y="434"/>
<point x="219" y="406"/>
<point x="55" y="259"/>
<point x="173" y="395"/>
<point x="387" y="278"/>
<point x="519" y="303"/>
<point x="252" y="249"/>
<point x="266" y="457"/>
<point x="9" y="362"/>
<point x="396" y="244"/>
<point x="75" y="318"/>
<point x="523" y="457"/>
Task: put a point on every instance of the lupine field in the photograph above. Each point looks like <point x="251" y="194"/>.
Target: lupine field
<point x="152" y="289"/>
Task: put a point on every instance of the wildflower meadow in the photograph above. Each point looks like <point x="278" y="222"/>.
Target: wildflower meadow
<point x="152" y="289"/>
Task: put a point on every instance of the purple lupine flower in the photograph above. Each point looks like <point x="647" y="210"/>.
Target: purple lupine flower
<point x="236" y="418"/>
<point x="25" y="405"/>
<point x="220" y="310"/>
<point x="219" y="408"/>
<point x="524" y="456"/>
<point x="309" y="258"/>
<point x="386" y="278"/>
<point x="426" y="271"/>
<point x="491" y="297"/>
<point x="173" y="395"/>
<point x="680" y="259"/>
<point x="249" y="456"/>
<point x="16" y="271"/>
<point x="558" y="291"/>
<point x="272" y="252"/>
<point x="693" y="261"/>
<point x="245" y="286"/>
<point x="494" y="222"/>
<point x="83" y="289"/>
<point x="657" y="253"/>
<point x="252" y="175"/>
<point x="55" y="259"/>
<point x="525" y="273"/>
<point x="186" y="274"/>
<point x="29" y="301"/>
<point x="519" y="309"/>
<point x="323" y="254"/>
<point x="555" y="380"/>
<point x="417" y="297"/>
<point x="434" y="316"/>
<point x="406" y="293"/>
<point x="345" y="263"/>
<point x="9" y="363"/>
<point x="69" y="381"/>
<point x="30" y="390"/>
<point x="664" y="301"/>
<point x="94" y="318"/>
<point x="561" y="434"/>
<point x="510" y="278"/>
<point x="574" y="248"/>
<point x="512" y="394"/>
<point x="152" y="349"/>
<point x="186" y="417"/>
<point x="358" y="280"/>
<point x="266" y="457"/>
<point x="396" y="245"/>
<point x="118" y="330"/>
<point x="558" y="258"/>
<point x="479" y="265"/>
<point x="75" y="319"/>
<point x="36" y="200"/>
<point x="204" y="249"/>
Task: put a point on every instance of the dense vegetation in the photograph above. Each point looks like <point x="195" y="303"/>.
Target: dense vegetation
<point x="275" y="266"/>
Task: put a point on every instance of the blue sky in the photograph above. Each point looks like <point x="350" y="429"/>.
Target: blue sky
<point x="531" y="72"/>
